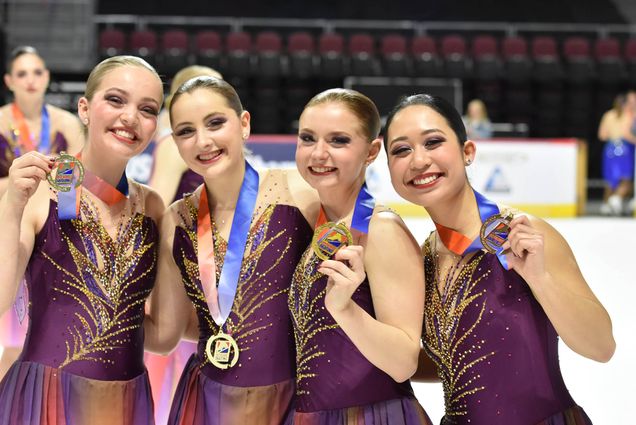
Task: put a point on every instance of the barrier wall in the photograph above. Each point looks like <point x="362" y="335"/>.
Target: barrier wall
<point x="544" y="177"/>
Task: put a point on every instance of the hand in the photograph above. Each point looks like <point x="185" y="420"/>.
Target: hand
<point x="346" y="273"/>
<point x="25" y="175"/>
<point x="525" y="251"/>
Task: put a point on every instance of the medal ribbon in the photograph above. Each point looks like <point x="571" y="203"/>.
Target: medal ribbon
<point x="362" y="211"/>
<point x="460" y="244"/>
<point x="24" y="135"/>
<point x="68" y="202"/>
<point x="221" y="298"/>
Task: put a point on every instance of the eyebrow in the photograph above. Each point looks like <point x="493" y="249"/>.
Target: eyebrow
<point x="145" y="99"/>
<point x="423" y="133"/>
<point x="207" y="117"/>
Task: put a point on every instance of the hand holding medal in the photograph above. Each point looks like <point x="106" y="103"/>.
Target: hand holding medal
<point x="346" y="272"/>
<point x="25" y="175"/>
<point x="67" y="173"/>
<point x="525" y="246"/>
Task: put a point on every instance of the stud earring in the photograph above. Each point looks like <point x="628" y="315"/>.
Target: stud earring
<point x="469" y="161"/>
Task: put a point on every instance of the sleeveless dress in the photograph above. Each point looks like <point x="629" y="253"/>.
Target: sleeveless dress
<point x="618" y="161"/>
<point x="13" y="326"/>
<point x="259" y="388"/>
<point x="495" y="349"/>
<point x="82" y="361"/>
<point x="335" y="383"/>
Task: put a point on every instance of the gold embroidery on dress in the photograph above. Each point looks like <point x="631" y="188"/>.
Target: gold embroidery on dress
<point x="306" y="315"/>
<point x="252" y="286"/>
<point x="442" y="336"/>
<point x="104" y="279"/>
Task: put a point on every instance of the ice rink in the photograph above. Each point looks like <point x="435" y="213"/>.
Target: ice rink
<point x="605" y="251"/>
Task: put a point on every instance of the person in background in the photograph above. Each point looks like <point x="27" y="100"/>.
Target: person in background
<point x="478" y="126"/>
<point x="501" y="286"/>
<point x="615" y="131"/>
<point x="28" y="123"/>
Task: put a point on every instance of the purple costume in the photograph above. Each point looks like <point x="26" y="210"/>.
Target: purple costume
<point x="335" y="383"/>
<point x="495" y="348"/>
<point x="82" y="360"/>
<point x="259" y="389"/>
<point x="12" y="328"/>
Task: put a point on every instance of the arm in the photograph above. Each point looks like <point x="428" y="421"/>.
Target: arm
<point x="170" y="309"/>
<point x="23" y="208"/>
<point x="603" y="130"/>
<point x="167" y="170"/>
<point x="394" y="266"/>
<point x="545" y="261"/>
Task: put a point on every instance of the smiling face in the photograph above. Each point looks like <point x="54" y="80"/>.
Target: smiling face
<point x="122" y="112"/>
<point x="208" y="132"/>
<point x="426" y="160"/>
<point x="333" y="150"/>
<point x="28" y="77"/>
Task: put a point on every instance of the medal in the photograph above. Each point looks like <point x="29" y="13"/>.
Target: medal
<point x="329" y="238"/>
<point x="222" y="350"/>
<point x="494" y="232"/>
<point x="69" y="173"/>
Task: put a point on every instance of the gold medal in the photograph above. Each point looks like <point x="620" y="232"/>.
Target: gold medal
<point x="494" y="232"/>
<point x="329" y="238"/>
<point x="69" y="171"/>
<point x="222" y="350"/>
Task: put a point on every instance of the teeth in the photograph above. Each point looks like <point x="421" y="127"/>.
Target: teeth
<point x="322" y="169"/>
<point x="209" y="155"/>
<point x="426" y="180"/>
<point x="124" y="133"/>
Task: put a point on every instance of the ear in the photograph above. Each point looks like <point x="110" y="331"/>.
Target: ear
<point x="83" y="109"/>
<point x="7" y="81"/>
<point x="469" y="151"/>
<point x="374" y="150"/>
<point x="245" y="124"/>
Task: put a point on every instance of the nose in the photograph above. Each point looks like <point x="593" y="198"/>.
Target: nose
<point x="129" y="116"/>
<point x="320" y="151"/>
<point x="420" y="160"/>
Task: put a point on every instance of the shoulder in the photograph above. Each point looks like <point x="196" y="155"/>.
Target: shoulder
<point x="292" y="189"/>
<point x="386" y="229"/>
<point x="153" y="204"/>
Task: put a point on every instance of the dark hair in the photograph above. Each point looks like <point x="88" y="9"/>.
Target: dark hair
<point x="439" y="105"/>
<point x="217" y="85"/>
<point x="19" y="51"/>
<point x="360" y="105"/>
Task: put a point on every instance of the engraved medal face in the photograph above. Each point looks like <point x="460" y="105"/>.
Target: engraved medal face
<point x="67" y="172"/>
<point x="329" y="238"/>
<point x="222" y="350"/>
<point x="494" y="232"/>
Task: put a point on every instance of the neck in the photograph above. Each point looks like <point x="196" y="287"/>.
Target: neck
<point x="459" y="213"/>
<point x="103" y="166"/>
<point x="223" y="192"/>
<point x="339" y="203"/>
<point x="30" y="110"/>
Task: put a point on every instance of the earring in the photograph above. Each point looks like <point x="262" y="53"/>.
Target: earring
<point x="85" y="121"/>
<point x="469" y="161"/>
<point x="244" y="136"/>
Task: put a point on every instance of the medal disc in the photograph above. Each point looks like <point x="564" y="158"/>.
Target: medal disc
<point x="69" y="172"/>
<point x="329" y="238"/>
<point x="494" y="232"/>
<point x="222" y="350"/>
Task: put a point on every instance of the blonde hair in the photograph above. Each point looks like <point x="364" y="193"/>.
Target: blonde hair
<point x="188" y="73"/>
<point x="360" y="105"/>
<point x="104" y="67"/>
